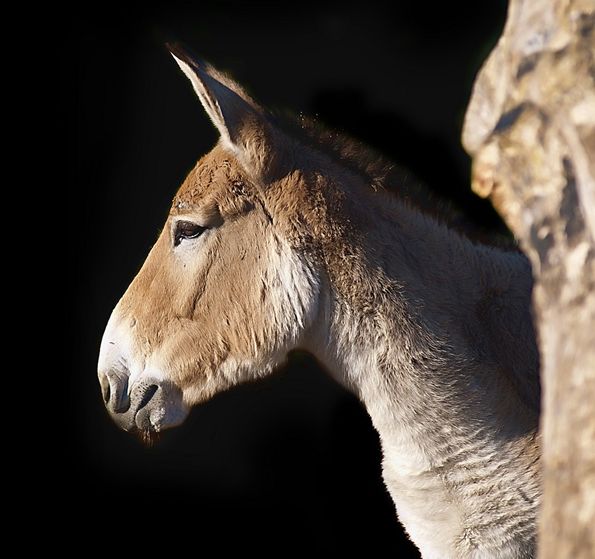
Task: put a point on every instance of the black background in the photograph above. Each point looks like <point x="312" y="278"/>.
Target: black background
<point x="292" y="464"/>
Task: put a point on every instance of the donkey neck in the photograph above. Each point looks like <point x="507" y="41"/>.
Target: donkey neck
<point x="415" y="326"/>
<point x="406" y="288"/>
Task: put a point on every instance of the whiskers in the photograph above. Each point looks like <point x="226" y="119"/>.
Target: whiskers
<point x="148" y="438"/>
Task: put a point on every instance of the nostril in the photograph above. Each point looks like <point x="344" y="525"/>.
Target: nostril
<point x="116" y="392"/>
<point x="148" y="393"/>
<point x="105" y="387"/>
<point x="106" y="391"/>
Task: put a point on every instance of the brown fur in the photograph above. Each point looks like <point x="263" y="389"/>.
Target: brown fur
<point x="304" y="247"/>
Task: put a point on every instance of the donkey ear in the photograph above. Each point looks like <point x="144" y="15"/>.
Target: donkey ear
<point x="242" y="124"/>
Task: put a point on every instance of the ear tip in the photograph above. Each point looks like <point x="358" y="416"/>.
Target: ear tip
<point x="177" y="49"/>
<point x="181" y="52"/>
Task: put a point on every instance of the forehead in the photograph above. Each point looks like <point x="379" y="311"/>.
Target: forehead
<point x="214" y="176"/>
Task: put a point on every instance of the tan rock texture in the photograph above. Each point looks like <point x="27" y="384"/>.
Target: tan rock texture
<point x="530" y="127"/>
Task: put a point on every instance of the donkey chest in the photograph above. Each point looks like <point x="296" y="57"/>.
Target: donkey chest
<point x="424" y="507"/>
<point x="480" y="506"/>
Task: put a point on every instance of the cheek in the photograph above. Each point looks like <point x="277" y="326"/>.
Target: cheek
<point x="237" y="312"/>
<point x="191" y="355"/>
<point x="234" y="306"/>
<point x="259" y="302"/>
<point x="232" y="303"/>
<point x="217" y="314"/>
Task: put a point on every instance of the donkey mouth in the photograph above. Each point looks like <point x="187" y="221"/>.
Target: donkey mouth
<point x="150" y="407"/>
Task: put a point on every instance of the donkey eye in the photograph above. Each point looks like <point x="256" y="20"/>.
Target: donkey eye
<point x="187" y="230"/>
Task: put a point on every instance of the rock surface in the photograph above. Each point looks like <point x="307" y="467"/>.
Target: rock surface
<point x="530" y="127"/>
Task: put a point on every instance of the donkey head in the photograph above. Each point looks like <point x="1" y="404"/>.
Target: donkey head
<point x="230" y="285"/>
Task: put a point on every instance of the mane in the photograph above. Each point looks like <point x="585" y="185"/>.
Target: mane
<point x="379" y="173"/>
<point x="376" y="170"/>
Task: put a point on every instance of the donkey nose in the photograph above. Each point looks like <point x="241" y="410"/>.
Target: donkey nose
<point x="124" y="408"/>
<point x="143" y="407"/>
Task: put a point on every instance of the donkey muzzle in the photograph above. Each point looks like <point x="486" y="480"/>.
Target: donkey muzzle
<point x="150" y="405"/>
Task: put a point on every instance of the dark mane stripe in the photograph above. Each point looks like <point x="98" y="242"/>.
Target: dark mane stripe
<point x="380" y="174"/>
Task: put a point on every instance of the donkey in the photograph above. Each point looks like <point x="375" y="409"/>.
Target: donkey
<point x="284" y="238"/>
